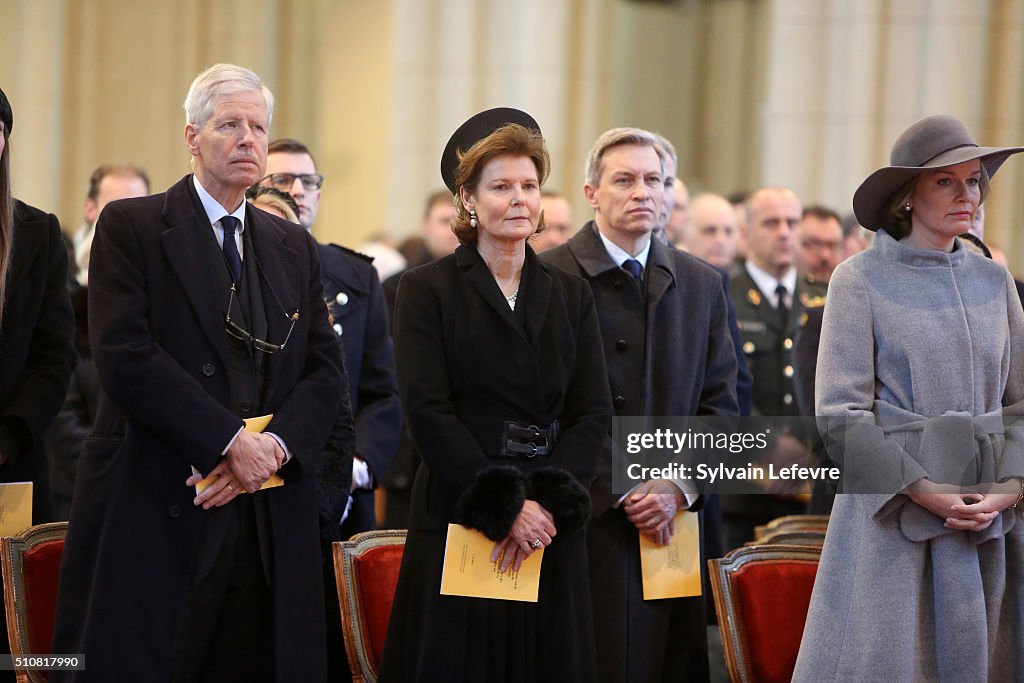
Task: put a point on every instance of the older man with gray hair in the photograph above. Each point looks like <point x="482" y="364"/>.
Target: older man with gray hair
<point x="194" y="551"/>
<point x="668" y="351"/>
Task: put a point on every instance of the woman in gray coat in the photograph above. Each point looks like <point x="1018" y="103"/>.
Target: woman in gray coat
<point x="922" y="357"/>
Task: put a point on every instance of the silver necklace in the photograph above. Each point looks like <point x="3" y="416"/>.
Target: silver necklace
<point x="511" y="299"/>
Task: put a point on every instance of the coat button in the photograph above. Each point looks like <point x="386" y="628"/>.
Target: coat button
<point x="174" y="511"/>
<point x="621" y="345"/>
<point x="338" y="329"/>
<point x="787" y="344"/>
<point x="748" y="347"/>
<point x="619" y="401"/>
<point x="208" y="369"/>
<point x="788" y="371"/>
<point x="342" y="298"/>
<point x="788" y="399"/>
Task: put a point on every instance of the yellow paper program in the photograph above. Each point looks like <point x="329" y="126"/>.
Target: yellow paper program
<point x="469" y="572"/>
<point x="15" y="507"/>
<point x="673" y="570"/>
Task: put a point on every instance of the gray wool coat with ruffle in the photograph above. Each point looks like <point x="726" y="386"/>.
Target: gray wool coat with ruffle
<point x="912" y="334"/>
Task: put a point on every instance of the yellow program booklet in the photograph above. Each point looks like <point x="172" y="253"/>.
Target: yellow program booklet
<point x="673" y="570"/>
<point x="469" y="572"/>
<point x="15" y="507"/>
<point x="252" y="424"/>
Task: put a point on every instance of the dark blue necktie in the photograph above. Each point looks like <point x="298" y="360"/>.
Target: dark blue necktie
<point x="633" y="267"/>
<point x="234" y="260"/>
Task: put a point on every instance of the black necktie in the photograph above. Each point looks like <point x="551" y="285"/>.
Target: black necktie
<point x="782" y="308"/>
<point x="234" y="260"/>
<point x="633" y="267"/>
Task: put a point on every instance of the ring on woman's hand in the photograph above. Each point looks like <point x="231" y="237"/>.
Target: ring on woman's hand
<point x="230" y="487"/>
<point x="535" y="543"/>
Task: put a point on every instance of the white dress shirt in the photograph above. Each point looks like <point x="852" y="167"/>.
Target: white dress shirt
<point x="768" y="283"/>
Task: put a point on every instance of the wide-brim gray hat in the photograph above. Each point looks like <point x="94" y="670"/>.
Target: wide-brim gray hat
<point x="473" y="131"/>
<point x="932" y="142"/>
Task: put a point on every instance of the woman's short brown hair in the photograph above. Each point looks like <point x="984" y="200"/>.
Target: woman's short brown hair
<point x="895" y="217"/>
<point x="509" y="140"/>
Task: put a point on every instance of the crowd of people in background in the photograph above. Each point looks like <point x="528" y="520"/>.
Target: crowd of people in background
<point x="504" y="324"/>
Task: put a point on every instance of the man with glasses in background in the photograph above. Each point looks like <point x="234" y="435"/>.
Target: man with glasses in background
<point x="820" y="247"/>
<point x="360" y="318"/>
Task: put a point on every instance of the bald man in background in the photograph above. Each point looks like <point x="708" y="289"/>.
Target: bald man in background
<point x="713" y="232"/>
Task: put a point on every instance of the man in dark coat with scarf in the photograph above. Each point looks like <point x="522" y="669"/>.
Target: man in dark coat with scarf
<point x="204" y="311"/>
<point x="663" y="319"/>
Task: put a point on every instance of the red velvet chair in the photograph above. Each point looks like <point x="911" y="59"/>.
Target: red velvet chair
<point x="762" y="593"/>
<point x="792" y="523"/>
<point x="366" y="571"/>
<point x="791" y="537"/>
<point x="31" y="565"/>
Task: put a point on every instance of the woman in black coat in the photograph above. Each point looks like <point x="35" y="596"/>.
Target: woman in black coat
<point x="502" y="378"/>
<point x="36" y="329"/>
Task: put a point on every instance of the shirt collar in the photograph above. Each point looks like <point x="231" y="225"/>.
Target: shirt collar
<point x="767" y="282"/>
<point x="214" y="211"/>
<point x="620" y="255"/>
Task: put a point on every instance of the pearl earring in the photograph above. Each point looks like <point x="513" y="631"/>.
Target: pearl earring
<point x="472" y="218"/>
<point x="907" y="207"/>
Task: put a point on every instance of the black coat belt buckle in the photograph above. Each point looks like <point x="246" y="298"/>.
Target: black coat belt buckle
<point x="529" y="441"/>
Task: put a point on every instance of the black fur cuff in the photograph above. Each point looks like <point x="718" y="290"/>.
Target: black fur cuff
<point x="492" y="502"/>
<point x="562" y="496"/>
